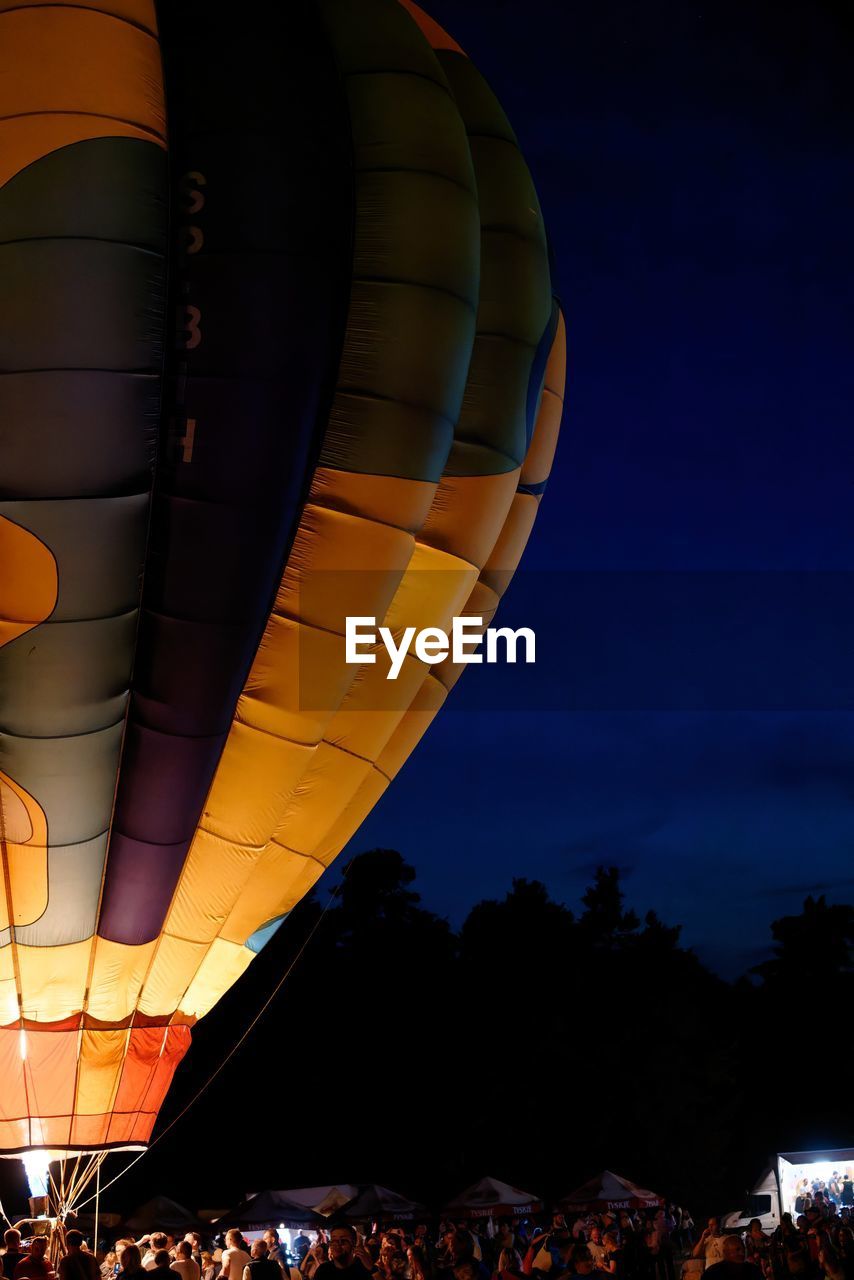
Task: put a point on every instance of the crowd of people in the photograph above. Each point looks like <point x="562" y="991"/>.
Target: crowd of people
<point x="813" y="1245"/>
<point x="35" y="1262"/>
<point x="838" y="1190"/>
<point x="651" y="1245"/>
<point x="625" y="1245"/>
<point x="159" y="1254"/>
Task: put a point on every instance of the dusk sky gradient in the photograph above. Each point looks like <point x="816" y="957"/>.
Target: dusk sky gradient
<point x="689" y="573"/>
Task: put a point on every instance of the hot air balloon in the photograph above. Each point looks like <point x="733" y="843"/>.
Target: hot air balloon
<point x="278" y="346"/>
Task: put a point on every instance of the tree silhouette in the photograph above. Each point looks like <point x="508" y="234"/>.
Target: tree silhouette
<point x="604" y="921"/>
<point x="813" y="948"/>
<point x="801" y="1004"/>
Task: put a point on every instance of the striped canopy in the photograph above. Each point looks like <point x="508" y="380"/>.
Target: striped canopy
<point x="609" y="1191"/>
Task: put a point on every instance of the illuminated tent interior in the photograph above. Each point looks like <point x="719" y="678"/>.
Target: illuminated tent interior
<point x="797" y="1169"/>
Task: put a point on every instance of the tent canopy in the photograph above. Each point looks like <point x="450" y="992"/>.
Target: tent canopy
<point x="491" y="1197"/>
<point x="162" y="1214"/>
<point x="323" y="1200"/>
<point x="379" y="1202"/>
<point x="609" y="1191"/>
<point x="312" y="1206"/>
<point x="270" y="1209"/>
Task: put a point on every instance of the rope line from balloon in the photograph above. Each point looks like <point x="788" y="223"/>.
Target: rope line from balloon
<point x="258" y="1016"/>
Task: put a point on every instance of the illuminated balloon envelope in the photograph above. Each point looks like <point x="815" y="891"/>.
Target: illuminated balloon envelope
<point x="303" y="364"/>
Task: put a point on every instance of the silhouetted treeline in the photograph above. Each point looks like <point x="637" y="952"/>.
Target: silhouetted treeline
<point x="538" y="1044"/>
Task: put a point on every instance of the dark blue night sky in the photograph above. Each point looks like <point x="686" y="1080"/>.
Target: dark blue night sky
<point x="691" y="717"/>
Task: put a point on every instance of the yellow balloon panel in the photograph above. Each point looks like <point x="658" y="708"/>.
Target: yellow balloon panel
<point x="214" y="875"/>
<point x="53" y="980"/>
<point x="102" y="1055"/>
<point x="256" y="776"/>
<point x="174" y="964"/>
<point x="118" y="972"/>
<point x="222" y="965"/>
<point x="278" y="882"/>
<point x="298" y="678"/>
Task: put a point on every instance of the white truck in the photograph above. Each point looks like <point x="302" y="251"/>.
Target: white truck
<point x="763" y="1202"/>
<point x="776" y="1191"/>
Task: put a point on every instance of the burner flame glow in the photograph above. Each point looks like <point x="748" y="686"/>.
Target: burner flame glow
<point x="37" y="1166"/>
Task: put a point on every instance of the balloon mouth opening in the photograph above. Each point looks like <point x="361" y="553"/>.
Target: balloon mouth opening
<point x="70" y="1153"/>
